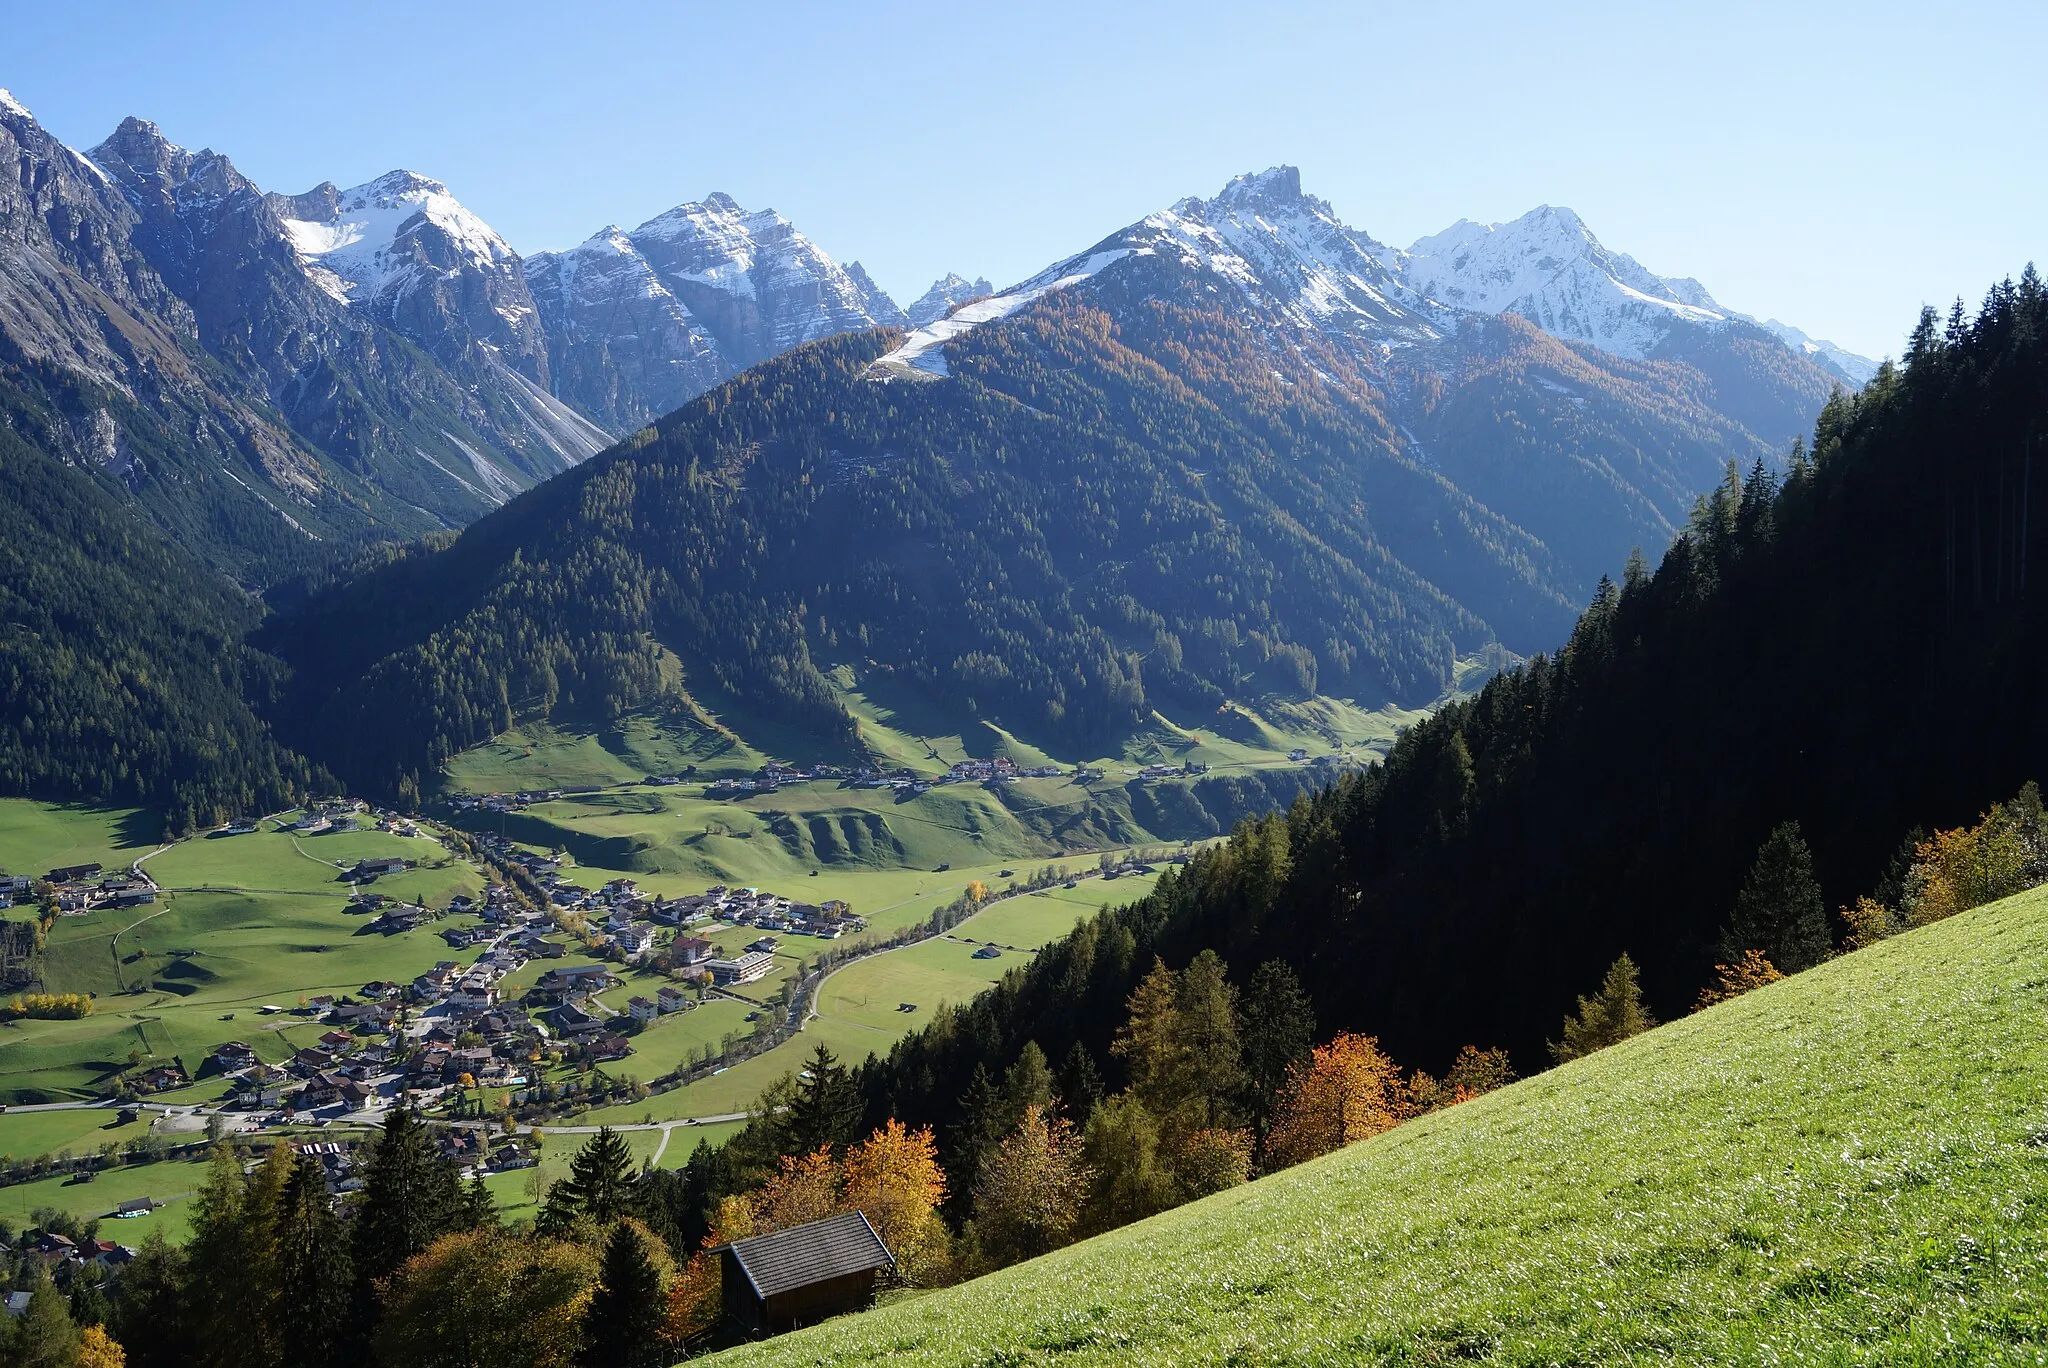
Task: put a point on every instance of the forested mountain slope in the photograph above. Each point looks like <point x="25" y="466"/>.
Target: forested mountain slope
<point x="1174" y="471"/>
<point x="123" y="673"/>
<point x="1861" y="650"/>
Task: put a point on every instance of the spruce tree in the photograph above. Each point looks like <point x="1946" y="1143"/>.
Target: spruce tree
<point x="313" y="1273"/>
<point x="599" y="1186"/>
<point x="1279" y="1029"/>
<point x="410" y="1198"/>
<point x="45" y="1336"/>
<point x="622" y="1325"/>
<point x="1026" y="1083"/>
<point x="149" y="1315"/>
<point x="825" y="1109"/>
<point x="1080" y="1085"/>
<point x="1779" y="910"/>
<point x="479" y="1207"/>
<point x="88" y="1302"/>
<point x="1212" y="1055"/>
<point x="1612" y="1015"/>
<point x="980" y="1129"/>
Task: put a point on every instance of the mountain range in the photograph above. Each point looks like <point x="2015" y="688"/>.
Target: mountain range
<point x="1238" y="446"/>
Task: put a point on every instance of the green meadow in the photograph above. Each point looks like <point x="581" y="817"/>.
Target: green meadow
<point x="857" y="1009"/>
<point x="1848" y="1167"/>
<point x="244" y="922"/>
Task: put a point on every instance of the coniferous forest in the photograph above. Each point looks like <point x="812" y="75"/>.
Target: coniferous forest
<point x="1856" y="646"/>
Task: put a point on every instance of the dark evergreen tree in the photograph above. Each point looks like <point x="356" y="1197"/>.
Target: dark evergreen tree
<point x="149" y="1313"/>
<point x="44" y="1336"/>
<point x="984" y="1120"/>
<point x="1080" y="1085"/>
<point x="622" y="1325"/>
<point x="825" y="1109"/>
<point x="411" y="1196"/>
<point x="88" y="1302"/>
<point x="1609" y="1017"/>
<point x="1278" y="1029"/>
<point x="1780" y="911"/>
<point x="479" y="1208"/>
<point x="599" y="1188"/>
<point x="313" y="1273"/>
<point x="1026" y="1083"/>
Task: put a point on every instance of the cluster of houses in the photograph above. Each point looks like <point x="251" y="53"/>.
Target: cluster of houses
<point x="81" y="888"/>
<point x="15" y="888"/>
<point x="505" y="802"/>
<point x="67" y="1259"/>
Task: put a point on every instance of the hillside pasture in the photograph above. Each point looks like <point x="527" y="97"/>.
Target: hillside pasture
<point x="1842" y="1168"/>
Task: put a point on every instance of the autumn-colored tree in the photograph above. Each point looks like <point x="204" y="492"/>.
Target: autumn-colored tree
<point x="1029" y="1197"/>
<point x="805" y="1187"/>
<point x="1344" y="1092"/>
<point x="977" y="891"/>
<point x="486" y="1297"/>
<point x="695" y="1297"/>
<point x="1210" y="1160"/>
<point x="1610" y="1016"/>
<point x="1733" y="980"/>
<point x="1475" y="1071"/>
<point x="1870" y="921"/>
<point x="98" y="1349"/>
<point x="894" y="1179"/>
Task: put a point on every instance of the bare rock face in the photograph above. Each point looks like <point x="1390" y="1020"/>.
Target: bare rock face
<point x="641" y="322"/>
<point x="947" y="293"/>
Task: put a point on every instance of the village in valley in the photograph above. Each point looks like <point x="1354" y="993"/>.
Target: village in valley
<point x="560" y="995"/>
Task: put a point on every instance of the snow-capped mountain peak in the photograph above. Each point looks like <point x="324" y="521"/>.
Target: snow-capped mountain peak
<point x="380" y="237"/>
<point x="1548" y="267"/>
<point x="10" y="105"/>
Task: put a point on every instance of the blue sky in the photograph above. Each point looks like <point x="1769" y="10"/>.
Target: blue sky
<point x="1833" y="165"/>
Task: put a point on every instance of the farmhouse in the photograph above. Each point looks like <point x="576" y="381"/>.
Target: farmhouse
<point x="692" y="950"/>
<point x="372" y="869"/>
<point x="799" y="1276"/>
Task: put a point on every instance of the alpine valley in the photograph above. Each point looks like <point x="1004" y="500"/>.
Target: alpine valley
<point x="602" y="805"/>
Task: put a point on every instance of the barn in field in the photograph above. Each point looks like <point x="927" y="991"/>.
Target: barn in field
<point x="802" y="1275"/>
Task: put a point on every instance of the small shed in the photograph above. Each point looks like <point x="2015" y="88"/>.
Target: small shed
<point x="799" y="1276"/>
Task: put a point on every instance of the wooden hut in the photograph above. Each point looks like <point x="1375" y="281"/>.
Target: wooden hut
<point x="799" y="1276"/>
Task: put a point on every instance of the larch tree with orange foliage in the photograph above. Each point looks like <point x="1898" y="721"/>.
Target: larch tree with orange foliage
<point x="804" y="1188"/>
<point x="1733" y="980"/>
<point x="1346" y="1091"/>
<point x="894" y="1179"/>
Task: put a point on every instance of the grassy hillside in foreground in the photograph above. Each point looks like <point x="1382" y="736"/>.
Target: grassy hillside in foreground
<point x="1848" y="1167"/>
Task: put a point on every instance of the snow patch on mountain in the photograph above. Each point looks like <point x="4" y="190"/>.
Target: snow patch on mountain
<point x="359" y="249"/>
<point x="946" y="292"/>
<point x="1289" y="252"/>
<point x="1858" y="369"/>
<point x="922" y="353"/>
<point x="10" y="105"/>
